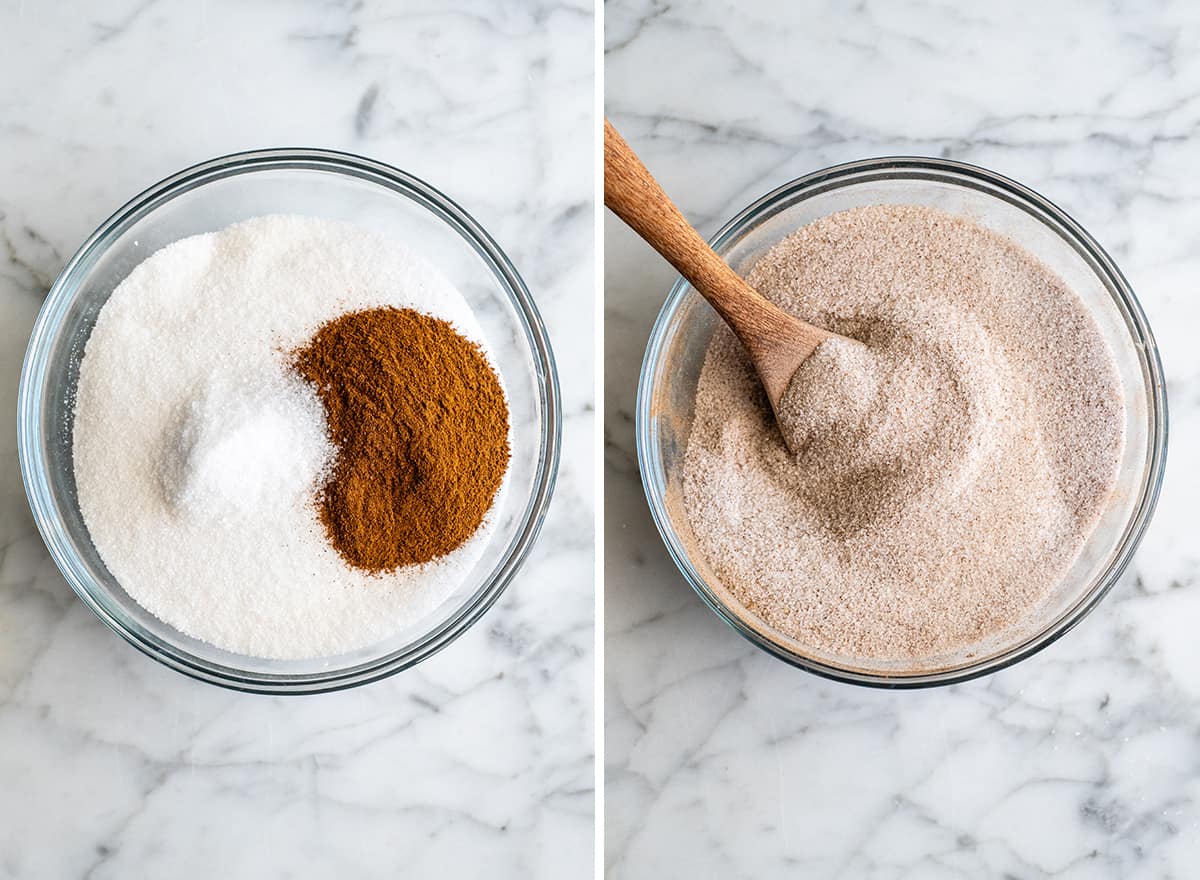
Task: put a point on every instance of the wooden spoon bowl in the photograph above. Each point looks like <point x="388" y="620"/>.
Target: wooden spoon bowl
<point x="778" y="343"/>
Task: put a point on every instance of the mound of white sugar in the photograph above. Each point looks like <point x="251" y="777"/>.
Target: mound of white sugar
<point x="198" y="451"/>
<point x="951" y="458"/>
<point x="237" y="447"/>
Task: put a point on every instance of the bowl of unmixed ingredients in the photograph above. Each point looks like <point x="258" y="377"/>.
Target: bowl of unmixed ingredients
<point x="289" y="421"/>
<point x="969" y="470"/>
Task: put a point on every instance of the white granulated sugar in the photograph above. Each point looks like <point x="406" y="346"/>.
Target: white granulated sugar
<point x="234" y="448"/>
<point x="949" y="464"/>
<point x="198" y="452"/>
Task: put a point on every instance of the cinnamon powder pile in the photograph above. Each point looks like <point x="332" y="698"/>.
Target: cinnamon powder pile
<point x="420" y="424"/>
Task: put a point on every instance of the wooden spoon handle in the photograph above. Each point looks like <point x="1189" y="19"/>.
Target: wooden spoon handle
<point x="634" y="195"/>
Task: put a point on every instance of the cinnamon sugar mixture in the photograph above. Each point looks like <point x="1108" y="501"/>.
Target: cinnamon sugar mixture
<point x="951" y="462"/>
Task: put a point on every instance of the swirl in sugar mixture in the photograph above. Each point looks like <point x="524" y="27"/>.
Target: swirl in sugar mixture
<point x="951" y="459"/>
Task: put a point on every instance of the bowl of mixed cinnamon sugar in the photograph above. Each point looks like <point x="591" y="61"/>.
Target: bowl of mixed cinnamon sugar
<point x="969" y="465"/>
<point x="289" y="421"/>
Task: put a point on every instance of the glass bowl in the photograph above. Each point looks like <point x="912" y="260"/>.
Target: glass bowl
<point x="206" y="198"/>
<point x="675" y="354"/>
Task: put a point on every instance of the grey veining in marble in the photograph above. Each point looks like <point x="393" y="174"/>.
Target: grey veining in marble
<point x="1082" y="762"/>
<point x="479" y="761"/>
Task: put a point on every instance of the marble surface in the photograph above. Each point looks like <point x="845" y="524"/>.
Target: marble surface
<point x="1082" y="762"/>
<point x="479" y="761"/>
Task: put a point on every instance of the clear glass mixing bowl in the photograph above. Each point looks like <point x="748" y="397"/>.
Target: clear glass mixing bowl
<point x="675" y="354"/>
<point x="208" y="197"/>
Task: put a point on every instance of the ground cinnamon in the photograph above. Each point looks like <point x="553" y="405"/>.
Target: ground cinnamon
<point x="420" y="424"/>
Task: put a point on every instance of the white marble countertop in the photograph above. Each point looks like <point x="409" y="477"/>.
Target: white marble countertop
<point x="1082" y="762"/>
<point x="479" y="761"/>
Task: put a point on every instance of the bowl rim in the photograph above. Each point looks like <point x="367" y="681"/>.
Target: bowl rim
<point x="1098" y="260"/>
<point x="61" y="294"/>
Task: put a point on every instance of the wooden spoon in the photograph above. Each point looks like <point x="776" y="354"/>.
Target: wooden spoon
<point x="778" y="343"/>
